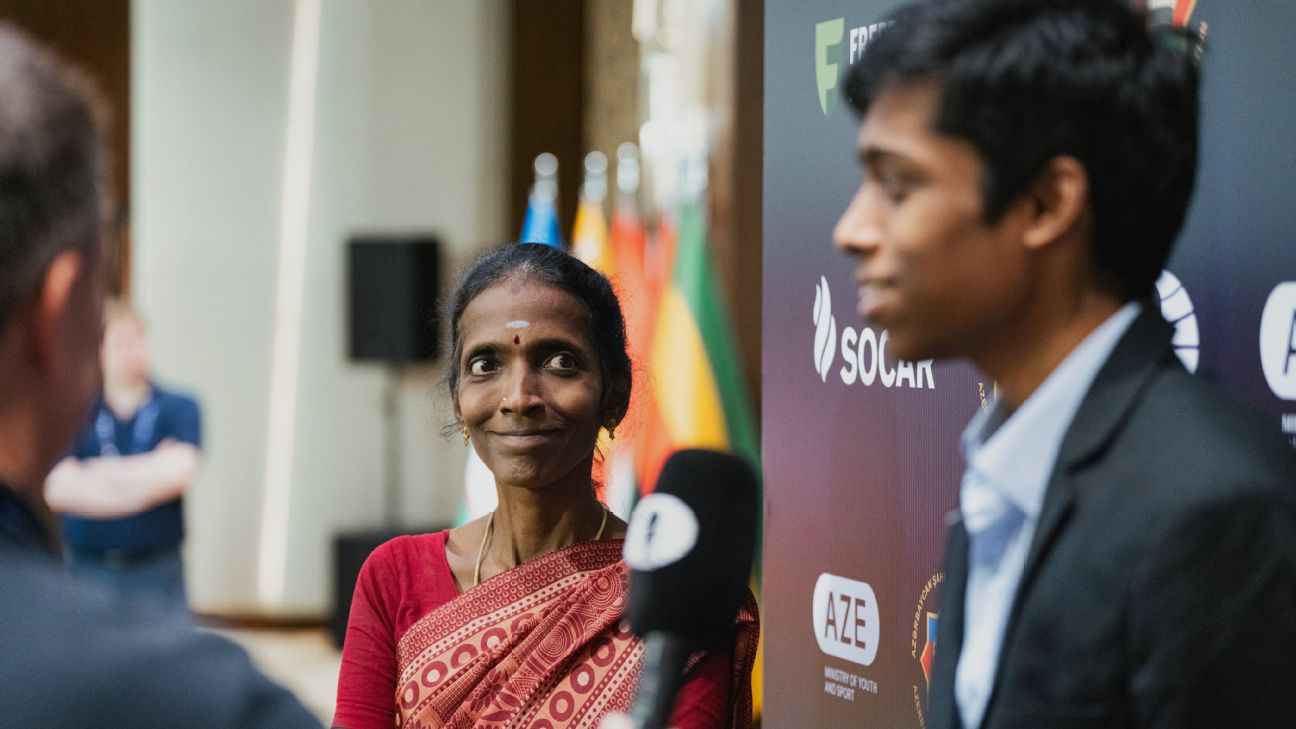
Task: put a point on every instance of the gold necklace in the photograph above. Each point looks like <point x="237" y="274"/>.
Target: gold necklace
<point x="490" y="528"/>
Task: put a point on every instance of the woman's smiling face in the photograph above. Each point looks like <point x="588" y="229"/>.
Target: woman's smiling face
<point x="529" y="383"/>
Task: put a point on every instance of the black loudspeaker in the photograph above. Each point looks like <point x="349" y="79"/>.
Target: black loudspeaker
<point x="392" y="284"/>
<point x="350" y="550"/>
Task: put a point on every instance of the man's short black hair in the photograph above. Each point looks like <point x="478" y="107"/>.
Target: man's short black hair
<point x="1025" y="81"/>
<point x="53" y="166"/>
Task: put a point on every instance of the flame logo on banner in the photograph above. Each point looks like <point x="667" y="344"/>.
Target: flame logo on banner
<point x="1177" y="308"/>
<point x="825" y="341"/>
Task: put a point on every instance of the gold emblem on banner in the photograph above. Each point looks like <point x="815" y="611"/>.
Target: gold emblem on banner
<point x="987" y="400"/>
<point x="922" y="644"/>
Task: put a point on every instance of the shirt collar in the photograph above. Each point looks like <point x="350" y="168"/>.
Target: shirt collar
<point x="1013" y="452"/>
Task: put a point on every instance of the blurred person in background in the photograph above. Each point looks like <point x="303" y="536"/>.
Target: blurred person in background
<point x="120" y="492"/>
<point x="73" y="657"/>
<point x="516" y="618"/>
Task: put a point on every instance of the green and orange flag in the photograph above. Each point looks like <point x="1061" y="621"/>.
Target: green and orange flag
<point x="700" y="393"/>
<point x="700" y="390"/>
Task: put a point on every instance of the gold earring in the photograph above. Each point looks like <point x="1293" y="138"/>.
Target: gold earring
<point x="611" y="432"/>
<point x="464" y="429"/>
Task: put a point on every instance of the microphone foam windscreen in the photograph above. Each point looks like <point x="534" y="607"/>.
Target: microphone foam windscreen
<point x="690" y="546"/>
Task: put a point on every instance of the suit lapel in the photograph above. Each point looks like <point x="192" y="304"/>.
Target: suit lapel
<point x="1114" y="392"/>
<point x="942" y="708"/>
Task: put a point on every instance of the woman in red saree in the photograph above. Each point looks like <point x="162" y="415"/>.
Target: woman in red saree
<point x="515" y="620"/>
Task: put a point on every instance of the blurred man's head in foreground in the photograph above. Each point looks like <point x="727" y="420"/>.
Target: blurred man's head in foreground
<point x="53" y="202"/>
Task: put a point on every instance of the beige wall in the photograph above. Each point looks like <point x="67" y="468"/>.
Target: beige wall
<point x="409" y="135"/>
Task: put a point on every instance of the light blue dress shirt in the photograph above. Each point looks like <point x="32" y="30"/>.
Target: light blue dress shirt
<point x="1010" y="456"/>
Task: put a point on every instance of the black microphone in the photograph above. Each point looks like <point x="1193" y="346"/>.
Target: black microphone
<point x="689" y="547"/>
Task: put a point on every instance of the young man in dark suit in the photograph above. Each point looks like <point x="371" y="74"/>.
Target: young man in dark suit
<point x="70" y="657"/>
<point x="1125" y="548"/>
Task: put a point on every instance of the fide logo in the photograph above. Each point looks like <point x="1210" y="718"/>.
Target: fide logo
<point x="662" y="531"/>
<point x="1278" y="340"/>
<point x="1177" y="308"/>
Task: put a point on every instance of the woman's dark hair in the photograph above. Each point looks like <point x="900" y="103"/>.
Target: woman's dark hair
<point x="553" y="267"/>
<point x="1027" y="80"/>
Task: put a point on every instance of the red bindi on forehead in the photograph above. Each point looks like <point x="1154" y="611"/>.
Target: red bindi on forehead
<point x="517" y="339"/>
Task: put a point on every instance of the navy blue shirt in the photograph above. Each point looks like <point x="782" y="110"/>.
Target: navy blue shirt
<point x="164" y="415"/>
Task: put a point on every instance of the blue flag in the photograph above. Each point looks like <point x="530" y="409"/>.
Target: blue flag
<point x="541" y="222"/>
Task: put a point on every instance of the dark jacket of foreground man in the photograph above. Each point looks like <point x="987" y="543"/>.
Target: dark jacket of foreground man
<point x="71" y="658"/>
<point x="1160" y="587"/>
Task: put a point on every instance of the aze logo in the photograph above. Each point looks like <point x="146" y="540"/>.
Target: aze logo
<point x="845" y="616"/>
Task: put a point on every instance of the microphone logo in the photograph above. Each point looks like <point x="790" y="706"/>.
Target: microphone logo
<point x="662" y="531"/>
<point x="825" y="341"/>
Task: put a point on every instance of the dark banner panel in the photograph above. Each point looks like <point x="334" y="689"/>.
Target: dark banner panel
<point x="860" y="451"/>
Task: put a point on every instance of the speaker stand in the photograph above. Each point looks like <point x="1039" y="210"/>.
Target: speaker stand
<point x="392" y="433"/>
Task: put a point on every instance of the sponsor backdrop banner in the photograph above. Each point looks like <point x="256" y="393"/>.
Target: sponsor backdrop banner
<point x="860" y="454"/>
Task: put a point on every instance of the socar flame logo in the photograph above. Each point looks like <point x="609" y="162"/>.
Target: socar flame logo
<point x="1177" y="308"/>
<point x="825" y="341"/>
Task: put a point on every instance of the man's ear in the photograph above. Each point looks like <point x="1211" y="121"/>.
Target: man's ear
<point x="1059" y="199"/>
<point x="53" y="308"/>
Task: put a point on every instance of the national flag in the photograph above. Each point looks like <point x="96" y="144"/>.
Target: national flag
<point x="590" y="232"/>
<point x="627" y="244"/>
<point x="700" y="390"/>
<point x="541" y="222"/>
<point x="614" y="469"/>
<point x="652" y="440"/>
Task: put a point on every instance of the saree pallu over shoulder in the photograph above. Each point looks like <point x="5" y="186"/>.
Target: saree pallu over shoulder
<point x="542" y="645"/>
